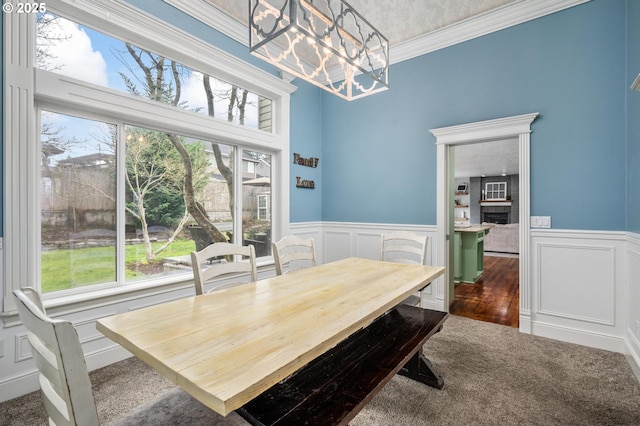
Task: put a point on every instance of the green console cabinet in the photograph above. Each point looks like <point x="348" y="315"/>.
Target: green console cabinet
<point x="468" y="262"/>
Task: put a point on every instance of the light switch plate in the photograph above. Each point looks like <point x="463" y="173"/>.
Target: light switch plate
<point x="541" y="222"/>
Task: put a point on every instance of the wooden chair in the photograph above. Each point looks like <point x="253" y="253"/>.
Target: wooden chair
<point x="204" y="271"/>
<point x="405" y="247"/>
<point x="64" y="378"/>
<point x="293" y="252"/>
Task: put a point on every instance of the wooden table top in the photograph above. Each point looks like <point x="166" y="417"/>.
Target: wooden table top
<point x="474" y="228"/>
<point x="227" y="347"/>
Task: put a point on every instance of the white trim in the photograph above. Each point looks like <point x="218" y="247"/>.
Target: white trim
<point x="633" y="339"/>
<point x="633" y="354"/>
<point x="498" y="19"/>
<point x="608" y="252"/>
<point x="206" y="13"/>
<point x="503" y="128"/>
<point x="581" y="337"/>
<point x="507" y="16"/>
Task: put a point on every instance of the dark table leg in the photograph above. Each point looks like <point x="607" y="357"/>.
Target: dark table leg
<point x="419" y="368"/>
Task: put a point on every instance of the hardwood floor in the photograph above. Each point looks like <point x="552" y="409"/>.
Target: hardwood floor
<point x="494" y="297"/>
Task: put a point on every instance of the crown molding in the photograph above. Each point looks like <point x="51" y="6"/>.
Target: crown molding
<point x="205" y="12"/>
<point x="495" y="20"/>
<point x="489" y="22"/>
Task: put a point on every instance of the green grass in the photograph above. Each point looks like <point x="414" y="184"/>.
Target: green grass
<point x="68" y="268"/>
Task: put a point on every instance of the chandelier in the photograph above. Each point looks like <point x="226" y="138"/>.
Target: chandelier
<point x="325" y="42"/>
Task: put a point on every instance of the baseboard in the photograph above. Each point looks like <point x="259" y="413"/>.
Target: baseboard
<point x="18" y="385"/>
<point x="525" y="323"/>
<point x="433" y="305"/>
<point x="27" y="382"/>
<point x="633" y="353"/>
<point x="580" y="337"/>
<point x="106" y="356"/>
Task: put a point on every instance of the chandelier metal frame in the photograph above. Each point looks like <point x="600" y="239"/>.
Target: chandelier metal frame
<point x="325" y="42"/>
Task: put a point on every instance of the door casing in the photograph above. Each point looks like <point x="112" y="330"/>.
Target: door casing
<point x="517" y="128"/>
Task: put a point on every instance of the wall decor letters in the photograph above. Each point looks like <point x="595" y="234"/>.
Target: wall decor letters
<point x="305" y="183"/>
<point x="309" y="162"/>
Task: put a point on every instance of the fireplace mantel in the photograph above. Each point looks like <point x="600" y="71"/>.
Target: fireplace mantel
<point x="495" y="203"/>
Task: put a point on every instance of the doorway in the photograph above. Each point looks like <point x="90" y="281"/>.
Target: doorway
<point x="516" y="127"/>
<point x="486" y="199"/>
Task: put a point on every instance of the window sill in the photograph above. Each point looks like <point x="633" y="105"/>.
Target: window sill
<point x="68" y="304"/>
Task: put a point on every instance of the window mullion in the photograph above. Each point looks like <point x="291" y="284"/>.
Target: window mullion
<point x="120" y="204"/>
<point x="237" y="195"/>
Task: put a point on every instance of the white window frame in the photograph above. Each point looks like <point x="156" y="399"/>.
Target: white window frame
<point x="264" y="208"/>
<point x="499" y="188"/>
<point x="27" y="88"/>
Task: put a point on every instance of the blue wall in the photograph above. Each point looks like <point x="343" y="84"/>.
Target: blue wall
<point x="380" y="159"/>
<point x="306" y="140"/>
<point x="633" y="118"/>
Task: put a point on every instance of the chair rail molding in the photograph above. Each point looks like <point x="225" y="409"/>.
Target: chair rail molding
<point x="516" y="128"/>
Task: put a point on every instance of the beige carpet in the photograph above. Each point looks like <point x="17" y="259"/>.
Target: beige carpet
<point x="493" y="376"/>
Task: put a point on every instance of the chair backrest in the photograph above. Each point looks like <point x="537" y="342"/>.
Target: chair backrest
<point x="64" y="378"/>
<point x="404" y="247"/>
<point x="293" y="252"/>
<point x="203" y="271"/>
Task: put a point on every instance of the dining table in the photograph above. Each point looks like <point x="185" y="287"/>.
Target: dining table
<point x="227" y="347"/>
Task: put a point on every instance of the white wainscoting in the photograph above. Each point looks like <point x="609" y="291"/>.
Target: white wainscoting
<point x="633" y="302"/>
<point x="585" y="289"/>
<point x="342" y="240"/>
<point x="578" y="290"/>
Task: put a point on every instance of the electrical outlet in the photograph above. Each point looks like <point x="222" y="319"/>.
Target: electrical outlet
<point x="541" y="222"/>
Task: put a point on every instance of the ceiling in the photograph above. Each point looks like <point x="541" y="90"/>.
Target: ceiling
<point x="398" y="20"/>
<point x="487" y="158"/>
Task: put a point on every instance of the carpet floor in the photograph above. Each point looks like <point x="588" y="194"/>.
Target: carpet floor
<point x="493" y="375"/>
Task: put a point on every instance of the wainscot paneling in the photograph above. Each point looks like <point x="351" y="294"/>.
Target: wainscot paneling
<point x="578" y="287"/>
<point x="342" y="240"/>
<point x="585" y="289"/>
<point x="633" y="302"/>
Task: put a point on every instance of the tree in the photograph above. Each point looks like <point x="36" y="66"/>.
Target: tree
<point x="154" y="183"/>
<point x="168" y="89"/>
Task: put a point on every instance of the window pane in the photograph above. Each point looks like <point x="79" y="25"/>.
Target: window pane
<point x="78" y="210"/>
<point x="161" y="233"/>
<point x="74" y="50"/>
<point x="256" y="201"/>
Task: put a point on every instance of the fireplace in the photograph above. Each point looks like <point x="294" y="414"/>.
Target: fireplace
<point x="495" y="217"/>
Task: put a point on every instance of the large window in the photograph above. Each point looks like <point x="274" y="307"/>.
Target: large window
<point x="68" y="48"/>
<point x="133" y="151"/>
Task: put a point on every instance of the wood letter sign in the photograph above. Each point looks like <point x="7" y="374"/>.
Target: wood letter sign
<point x="309" y="162"/>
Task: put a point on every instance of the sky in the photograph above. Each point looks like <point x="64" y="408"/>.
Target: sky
<point x="80" y="52"/>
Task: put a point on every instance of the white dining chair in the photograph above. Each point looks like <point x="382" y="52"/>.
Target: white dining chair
<point x="292" y="253"/>
<point x="65" y="383"/>
<point x="205" y="269"/>
<point x="405" y="247"/>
